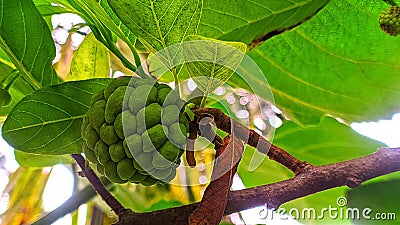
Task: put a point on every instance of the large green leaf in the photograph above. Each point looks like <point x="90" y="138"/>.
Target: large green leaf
<point x="251" y="20"/>
<point x="376" y="203"/>
<point x="212" y="62"/>
<point x="159" y="24"/>
<point x="49" y="120"/>
<point x="329" y="142"/>
<point x="91" y="60"/>
<point x="34" y="160"/>
<point x="338" y="63"/>
<point x="27" y="40"/>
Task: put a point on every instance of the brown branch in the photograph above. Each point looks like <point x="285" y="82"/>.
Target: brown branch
<point x="99" y="187"/>
<point x="314" y="179"/>
<point x="212" y="206"/>
<point x="252" y="138"/>
<point x="190" y="144"/>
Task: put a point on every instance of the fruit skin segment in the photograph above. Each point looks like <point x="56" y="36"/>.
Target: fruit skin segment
<point x="389" y="20"/>
<point x="135" y="131"/>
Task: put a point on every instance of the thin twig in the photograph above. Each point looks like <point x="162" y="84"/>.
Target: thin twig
<point x="69" y="206"/>
<point x="98" y="186"/>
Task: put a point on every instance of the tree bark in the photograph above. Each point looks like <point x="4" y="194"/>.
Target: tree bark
<point x="314" y="179"/>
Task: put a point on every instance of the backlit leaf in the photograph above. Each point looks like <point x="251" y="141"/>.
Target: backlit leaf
<point x="212" y="62"/>
<point x="159" y="24"/>
<point x="34" y="160"/>
<point x="253" y="20"/>
<point x="338" y="63"/>
<point x="91" y="60"/>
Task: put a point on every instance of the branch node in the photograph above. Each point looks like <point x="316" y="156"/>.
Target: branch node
<point x="217" y="118"/>
<point x="302" y="167"/>
<point x="353" y="182"/>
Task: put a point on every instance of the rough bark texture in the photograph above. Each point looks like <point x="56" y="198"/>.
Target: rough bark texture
<point x="313" y="179"/>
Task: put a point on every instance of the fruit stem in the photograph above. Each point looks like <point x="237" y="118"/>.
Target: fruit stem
<point x="177" y="88"/>
<point x="204" y="99"/>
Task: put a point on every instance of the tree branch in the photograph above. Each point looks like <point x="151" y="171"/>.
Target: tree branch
<point x="69" y="206"/>
<point x="99" y="187"/>
<point x="252" y="138"/>
<point x="312" y="180"/>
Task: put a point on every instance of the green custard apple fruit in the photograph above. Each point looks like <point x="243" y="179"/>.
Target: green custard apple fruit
<point x="135" y="130"/>
<point x="389" y="20"/>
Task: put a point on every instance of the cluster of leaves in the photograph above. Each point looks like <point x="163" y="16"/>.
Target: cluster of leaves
<point x="322" y="60"/>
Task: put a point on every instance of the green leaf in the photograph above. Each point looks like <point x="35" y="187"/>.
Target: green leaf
<point x="34" y="160"/>
<point x="132" y="200"/>
<point x="91" y="60"/>
<point x="251" y="21"/>
<point x="164" y="204"/>
<point x="343" y="66"/>
<point x="146" y="198"/>
<point x="49" y="120"/>
<point x="51" y="7"/>
<point x="48" y="11"/>
<point x="18" y="90"/>
<point x="20" y="87"/>
<point x="211" y="62"/>
<point x="4" y="59"/>
<point x="329" y="142"/>
<point x="159" y="24"/>
<point x="26" y="38"/>
<point x="127" y="36"/>
<point x="104" y="24"/>
<point x="381" y="198"/>
<point x="55" y="3"/>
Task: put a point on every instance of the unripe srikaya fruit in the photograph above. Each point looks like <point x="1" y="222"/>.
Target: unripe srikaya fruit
<point x="389" y="20"/>
<point x="135" y="131"/>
